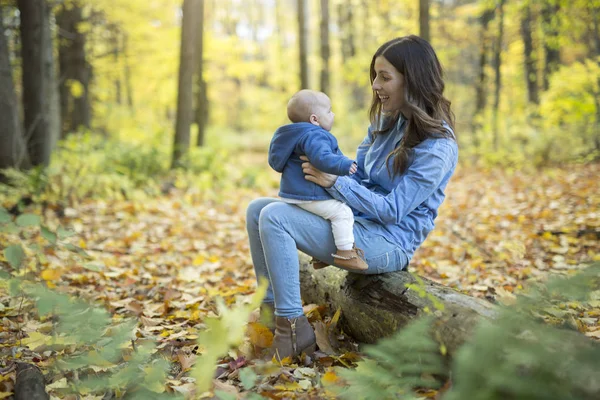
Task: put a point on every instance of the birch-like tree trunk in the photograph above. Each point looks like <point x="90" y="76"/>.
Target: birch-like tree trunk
<point x="325" y="51"/>
<point x="201" y="112"/>
<point x="303" y="42"/>
<point x="424" y="20"/>
<point x="185" y="110"/>
<point x="13" y="149"/>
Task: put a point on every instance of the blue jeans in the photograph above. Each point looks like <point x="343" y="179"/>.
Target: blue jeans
<point x="276" y="231"/>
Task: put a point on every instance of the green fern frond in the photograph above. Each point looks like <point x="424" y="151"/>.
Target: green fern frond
<point x="396" y="365"/>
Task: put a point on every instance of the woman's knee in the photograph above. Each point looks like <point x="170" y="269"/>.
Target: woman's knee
<point x="255" y="208"/>
<point x="273" y="214"/>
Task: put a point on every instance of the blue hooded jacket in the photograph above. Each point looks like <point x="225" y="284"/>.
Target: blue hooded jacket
<point x="321" y="147"/>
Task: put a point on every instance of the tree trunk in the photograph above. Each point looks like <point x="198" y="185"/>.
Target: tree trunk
<point x="303" y="42"/>
<point x="116" y="52"/>
<point x="376" y="306"/>
<point x="480" y="87"/>
<point x="424" y="20"/>
<point x="36" y="87"/>
<point x="13" y="149"/>
<point x="595" y="12"/>
<point x="529" y="56"/>
<point x="551" y="35"/>
<point x="128" y="88"/>
<point x="185" y="112"/>
<point x="201" y="95"/>
<point x="497" y="72"/>
<point x="75" y="70"/>
<point x="325" y="52"/>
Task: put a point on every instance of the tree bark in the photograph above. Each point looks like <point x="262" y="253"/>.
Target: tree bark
<point x="376" y="306"/>
<point x="36" y="86"/>
<point x="551" y="46"/>
<point x="325" y="51"/>
<point x="529" y="56"/>
<point x="13" y="149"/>
<point x="424" y="20"/>
<point x="480" y="87"/>
<point x="201" y="95"/>
<point x="303" y="42"/>
<point x="185" y="112"/>
<point x="128" y="88"/>
<point x="74" y="70"/>
<point x="498" y="73"/>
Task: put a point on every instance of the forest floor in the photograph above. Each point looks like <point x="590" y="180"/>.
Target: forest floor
<point x="165" y="260"/>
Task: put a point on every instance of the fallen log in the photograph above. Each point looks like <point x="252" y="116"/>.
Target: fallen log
<point x="376" y="306"/>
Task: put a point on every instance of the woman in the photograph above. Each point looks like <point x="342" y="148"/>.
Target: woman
<point x="404" y="165"/>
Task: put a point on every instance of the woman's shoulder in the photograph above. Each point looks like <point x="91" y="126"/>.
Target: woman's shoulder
<point x="441" y="146"/>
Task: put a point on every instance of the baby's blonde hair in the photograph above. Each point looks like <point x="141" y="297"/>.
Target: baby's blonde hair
<point x="304" y="103"/>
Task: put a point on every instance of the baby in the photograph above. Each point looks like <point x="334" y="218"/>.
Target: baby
<point x="310" y="112"/>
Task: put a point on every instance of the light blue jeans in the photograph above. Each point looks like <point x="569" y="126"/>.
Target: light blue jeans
<point x="276" y="231"/>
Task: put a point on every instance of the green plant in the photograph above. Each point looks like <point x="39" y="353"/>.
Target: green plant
<point x="526" y="353"/>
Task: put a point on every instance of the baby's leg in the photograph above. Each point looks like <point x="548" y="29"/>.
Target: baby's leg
<point x="341" y="217"/>
<point x="342" y="227"/>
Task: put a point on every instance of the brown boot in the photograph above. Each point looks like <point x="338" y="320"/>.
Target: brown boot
<point x="318" y="264"/>
<point x="267" y="316"/>
<point x="351" y="259"/>
<point x="293" y="337"/>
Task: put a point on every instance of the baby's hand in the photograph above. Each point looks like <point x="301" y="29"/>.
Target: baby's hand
<point x="353" y="168"/>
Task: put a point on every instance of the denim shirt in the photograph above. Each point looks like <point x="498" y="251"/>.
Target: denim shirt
<point x="401" y="208"/>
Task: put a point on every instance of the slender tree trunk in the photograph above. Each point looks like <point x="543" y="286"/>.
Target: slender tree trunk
<point x="185" y="111"/>
<point x="13" y="149"/>
<point x="424" y="20"/>
<point x="325" y="46"/>
<point x="595" y="11"/>
<point x="128" y="88"/>
<point x="551" y="35"/>
<point x="36" y="87"/>
<point x="116" y="50"/>
<point x="529" y="56"/>
<point x="480" y="88"/>
<point x="303" y="42"/>
<point x="75" y="70"/>
<point x="497" y="72"/>
<point x="201" y="95"/>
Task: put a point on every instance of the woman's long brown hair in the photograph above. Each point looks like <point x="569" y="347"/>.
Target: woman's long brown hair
<point x="428" y="109"/>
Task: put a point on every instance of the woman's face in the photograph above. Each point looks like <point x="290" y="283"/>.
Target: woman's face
<point x="389" y="85"/>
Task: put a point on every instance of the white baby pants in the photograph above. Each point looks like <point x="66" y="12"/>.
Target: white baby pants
<point x="341" y="217"/>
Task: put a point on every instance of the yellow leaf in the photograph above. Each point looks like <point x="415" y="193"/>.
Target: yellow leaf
<point x="260" y="335"/>
<point x="198" y="260"/>
<point x="5" y="395"/>
<point x="330" y="378"/>
<point x="51" y="274"/>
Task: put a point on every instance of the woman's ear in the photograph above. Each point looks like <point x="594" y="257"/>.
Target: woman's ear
<point x="314" y="119"/>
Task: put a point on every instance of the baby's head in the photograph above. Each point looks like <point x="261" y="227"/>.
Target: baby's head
<point x="311" y="106"/>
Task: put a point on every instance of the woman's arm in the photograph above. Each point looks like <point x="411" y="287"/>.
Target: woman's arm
<point x="419" y="181"/>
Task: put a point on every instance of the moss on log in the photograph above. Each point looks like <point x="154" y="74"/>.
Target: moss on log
<point x="376" y="306"/>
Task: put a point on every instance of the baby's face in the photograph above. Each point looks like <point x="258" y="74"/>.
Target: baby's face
<point x="324" y="113"/>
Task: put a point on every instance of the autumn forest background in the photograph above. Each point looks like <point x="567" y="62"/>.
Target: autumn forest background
<point x="133" y="133"/>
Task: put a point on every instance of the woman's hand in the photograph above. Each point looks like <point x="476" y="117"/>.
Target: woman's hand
<point x="316" y="176"/>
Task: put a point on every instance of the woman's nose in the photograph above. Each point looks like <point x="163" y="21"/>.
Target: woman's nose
<point x="375" y="85"/>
